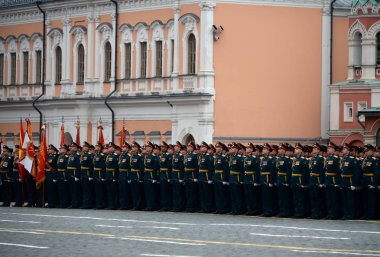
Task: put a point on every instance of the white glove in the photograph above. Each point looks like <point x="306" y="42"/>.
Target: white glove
<point x="129" y="182"/>
<point x="154" y="181"/>
<point x="210" y="181"/>
<point x="320" y="185"/>
<point x="336" y="186"/>
<point x="180" y="181"/>
<point x="371" y="187"/>
<point x="76" y="179"/>
<point x="19" y="180"/>
<point x="286" y="185"/>
<point x="270" y="185"/>
<point x="168" y="180"/>
<point x="103" y="179"/>
<point x="195" y="180"/>
<point x="54" y="180"/>
<point x="114" y="180"/>
<point x="90" y="179"/>
<point x="256" y="185"/>
<point x="353" y="188"/>
<point x="225" y="183"/>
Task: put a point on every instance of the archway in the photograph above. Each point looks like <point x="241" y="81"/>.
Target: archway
<point x="188" y="138"/>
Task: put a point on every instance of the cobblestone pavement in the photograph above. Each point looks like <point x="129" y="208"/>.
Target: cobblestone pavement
<point x="68" y="232"/>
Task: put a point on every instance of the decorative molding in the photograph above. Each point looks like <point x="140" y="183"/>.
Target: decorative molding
<point x="12" y="46"/>
<point x="357" y="26"/>
<point x="373" y="30"/>
<point x="367" y="8"/>
<point x="25" y="46"/>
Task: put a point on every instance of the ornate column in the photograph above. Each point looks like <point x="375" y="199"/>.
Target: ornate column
<point x="90" y="47"/>
<point x="175" y="73"/>
<point x="368" y="57"/>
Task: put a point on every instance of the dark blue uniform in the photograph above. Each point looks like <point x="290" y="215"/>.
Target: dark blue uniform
<point x="206" y="192"/>
<point x="267" y="181"/>
<point x="221" y="181"/>
<point x="179" y="199"/>
<point x="284" y="192"/>
<point x="252" y="184"/>
<point x="99" y="175"/>
<point x="300" y="183"/>
<point x="74" y="176"/>
<point x="6" y="167"/>
<point x="137" y="176"/>
<point x="112" y="175"/>
<point x="317" y="192"/>
<point x="191" y="182"/>
<point x="236" y="179"/>
<point x="51" y="181"/>
<point x="369" y="187"/>
<point x="350" y="177"/>
<point x="62" y="179"/>
<point x="17" y="184"/>
<point x="125" y="200"/>
<point x="87" y="180"/>
<point x="165" y="175"/>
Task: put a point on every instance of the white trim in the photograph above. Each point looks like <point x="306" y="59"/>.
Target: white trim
<point x="157" y="35"/>
<point x="142" y="36"/>
<point x="361" y="107"/>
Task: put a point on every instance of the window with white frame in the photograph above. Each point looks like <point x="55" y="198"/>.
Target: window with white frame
<point x="191" y="54"/>
<point x="80" y="71"/>
<point x="159" y="58"/>
<point x="348" y="112"/>
<point x="128" y="60"/>
<point x="107" y="61"/>
<point x="143" y="57"/>
<point x="362" y="106"/>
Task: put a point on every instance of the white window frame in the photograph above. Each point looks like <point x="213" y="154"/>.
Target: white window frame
<point x="360" y="108"/>
<point x="347" y="106"/>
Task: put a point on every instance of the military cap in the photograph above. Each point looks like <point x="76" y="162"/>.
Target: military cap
<point x="318" y="146"/>
<point x="164" y="144"/>
<point x="92" y="147"/>
<point x="250" y="145"/>
<point x="192" y="144"/>
<point x="259" y="147"/>
<point x="267" y="146"/>
<point x="241" y="146"/>
<point x="323" y="148"/>
<point x="80" y="148"/>
<point x="155" y="146"/>
<point x="170" y="146"/>
<point x="100" y="145"/>
<point x="283" y="146"/>
<point x="204" y="144"/>
<point x="183" y="147"/>
<point x="86" y="144"/>
<point x="332" y="145"/>
<point x="64" y="146"/>
<point x="111" y="144"/>
<point x="235" y="145"/>
<point x="6" y="148"/>
<point x="53" y="147"/>
<point x="74" y="144"/>
<point x="290" y="148"/>
<point x="360" y="149"/>
<point x="17" y="147"/>
<point x="369" y="147"/>
<point x="212" y="147"/>
<point x="126" y="144"/>
<point x="275" y="147"/>
<point x="308" y="148"/>
<point x="117" y="148"/>
<point x="36" y="148"/>
<point x="347" y="146"/>
<point x="135" y="144"/>
<point x="149" y="144"/>
<point x="299" y="146"/>
<point x="219" y="144"/>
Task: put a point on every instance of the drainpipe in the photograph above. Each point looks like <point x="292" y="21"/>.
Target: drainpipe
<point x="331" y="38"/>
<point x="43" y="63"/>
<point x="115" y="79"/>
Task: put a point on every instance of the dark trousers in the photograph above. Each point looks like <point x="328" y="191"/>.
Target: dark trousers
<point x="87" y="193"/>
<point x="51" y="189"/>
<point x="369" y="202"/>
<point x="268" y="199"/>
<point x="18" y="192"/>
<point x="222" y="197"/>
<point x="178" y="196"/>
<point x="112" y="187"/>
<point x="75" y="192"/>
<point x="333" y="202"/>
<point x="206" y="196"/>
<point x="237" y="199"/>
<point x="349" y="203"/>
<point x="125" y="201"/>
<point x="5" y="189"/>
<point x="100" y="194"/>
<point x="165" y="195"/>
<point x="192" y="203"/>
<point x="317" y="202"/>
<point x="285" y="201"/>
<point x="31" y="194"/>
<point x="252" y="199"/>
<point x="63" y="193"/>
<point x="150" y="195"/>
<point x="137" y="195"/>
<point x="300" y="200"/>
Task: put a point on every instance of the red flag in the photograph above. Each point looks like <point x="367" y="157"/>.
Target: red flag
<point x="62" y="135"/>
<point x="123" y="136"/>
<point x="21" y="153"/>
<point x="77" y="139"/>
<point x="101" y="137"/>
<point x="28" y="147"/>
<point x="42" y="159"/>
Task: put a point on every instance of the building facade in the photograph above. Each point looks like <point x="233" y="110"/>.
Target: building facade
<point x="185" y="70"/>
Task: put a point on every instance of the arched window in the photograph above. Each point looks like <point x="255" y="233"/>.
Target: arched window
<point x="107" y="61"/>
<point x="58" y="65"/>
<point x="378" y="49"/>
<point x="26" y="67"/>
<point x="1" y="69"/>
<point x="159" y="58"/>
<point x="80" y="64"/>
<point x="357" y="58"/>
<point x="143" y="59"/>
<point x="191" y="55"/>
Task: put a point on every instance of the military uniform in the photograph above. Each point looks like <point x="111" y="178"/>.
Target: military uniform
<point x="62" y="179"/>
<point x="267" y="181"/>
<point x="74" y="177"/>
<point x="221" y="180"/>
<point x="178" y="192"/>
<point x="332" y="181"/>
<point x="191" y="181"/>
<point x="99" y="175"/>
<point x="206" y="170"/>
<point x="284" y="193"/>
<point x="165" y="176"/>
<point x="369" y="187"/>
<point x="87" y="169"/>
<point x="252" y="184"/>
<point x="236" y="178"/>
<point x="112" y="175"/>
<point x="150" y="179"/>
<point x="17" y="184"/>
<point x="124" y="184"/>
<point x="51" y="181"/>
<point x="317" y="192"/>
<point x="6" y="166"/>
<point x="136" y="177"/>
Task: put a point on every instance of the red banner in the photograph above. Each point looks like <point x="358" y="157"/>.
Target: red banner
<point x="42" y="159"/>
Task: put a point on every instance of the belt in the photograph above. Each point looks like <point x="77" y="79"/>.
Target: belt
<point x="330" y="174"/>
<point x="219" y="171"/>
<point x="123" y="170"/>
<point x="265" y="173"/>
<point x="110" y="169"/>
<point x="189" y="169"/>
<point x="61" y="169"/>
<point x="203" y="171"/>
<point x="97" y="168"/>
<point x="249" y="172"/>
<point x="283" y="173"/>
<point x="85" y="168"/>
<point x="148" y="170"/>
<point x="368" y="174"/>
<point x="164" y="169"/>
<point x="15" y="170"/>
<point x="315" y="174"/>
<point x="135" y="170"/>
<point x="347" y="176"/>
<point x="71" y="168"/>
<point x="297" y="175"/>
<point x="235" y="172"/>
<point x="176" y="170"/>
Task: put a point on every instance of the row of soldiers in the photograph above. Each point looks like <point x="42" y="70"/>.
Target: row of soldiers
<point x="298" y="181"/>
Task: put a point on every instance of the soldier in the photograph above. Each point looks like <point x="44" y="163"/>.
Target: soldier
<point x="368" y="183"/>
<point x="267" y="180"/>
<point x="51" y="181"/>
<point x="251" y="181"/>
<point x="62" y="177"/>
<point x="165" y="176"/>
<point x="177" y="179"/>
<point x="16" y="179"/>
<point x="74" y="176"/>
<point x="137" y="176"/>
<point x="236" y="166"/>
<point x="99" y="164"/>
<point x="349" y="182"/>
<point x="191" y="179"/>
<point x="124" y="181"/>
<point x="377" y="182"/>
<point x="300" y="182"/>
<point x="206" y="170"/>
<point x="112" y="174"/>
<point x="6" y="167"/>
<point x="150" y="177"/>
<point x="317" y="192"/>
<point x="87" y="170"/>
<point x="221" y="179"/>
<point x="284" y="174"/>
<point x="332" y="181"/>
